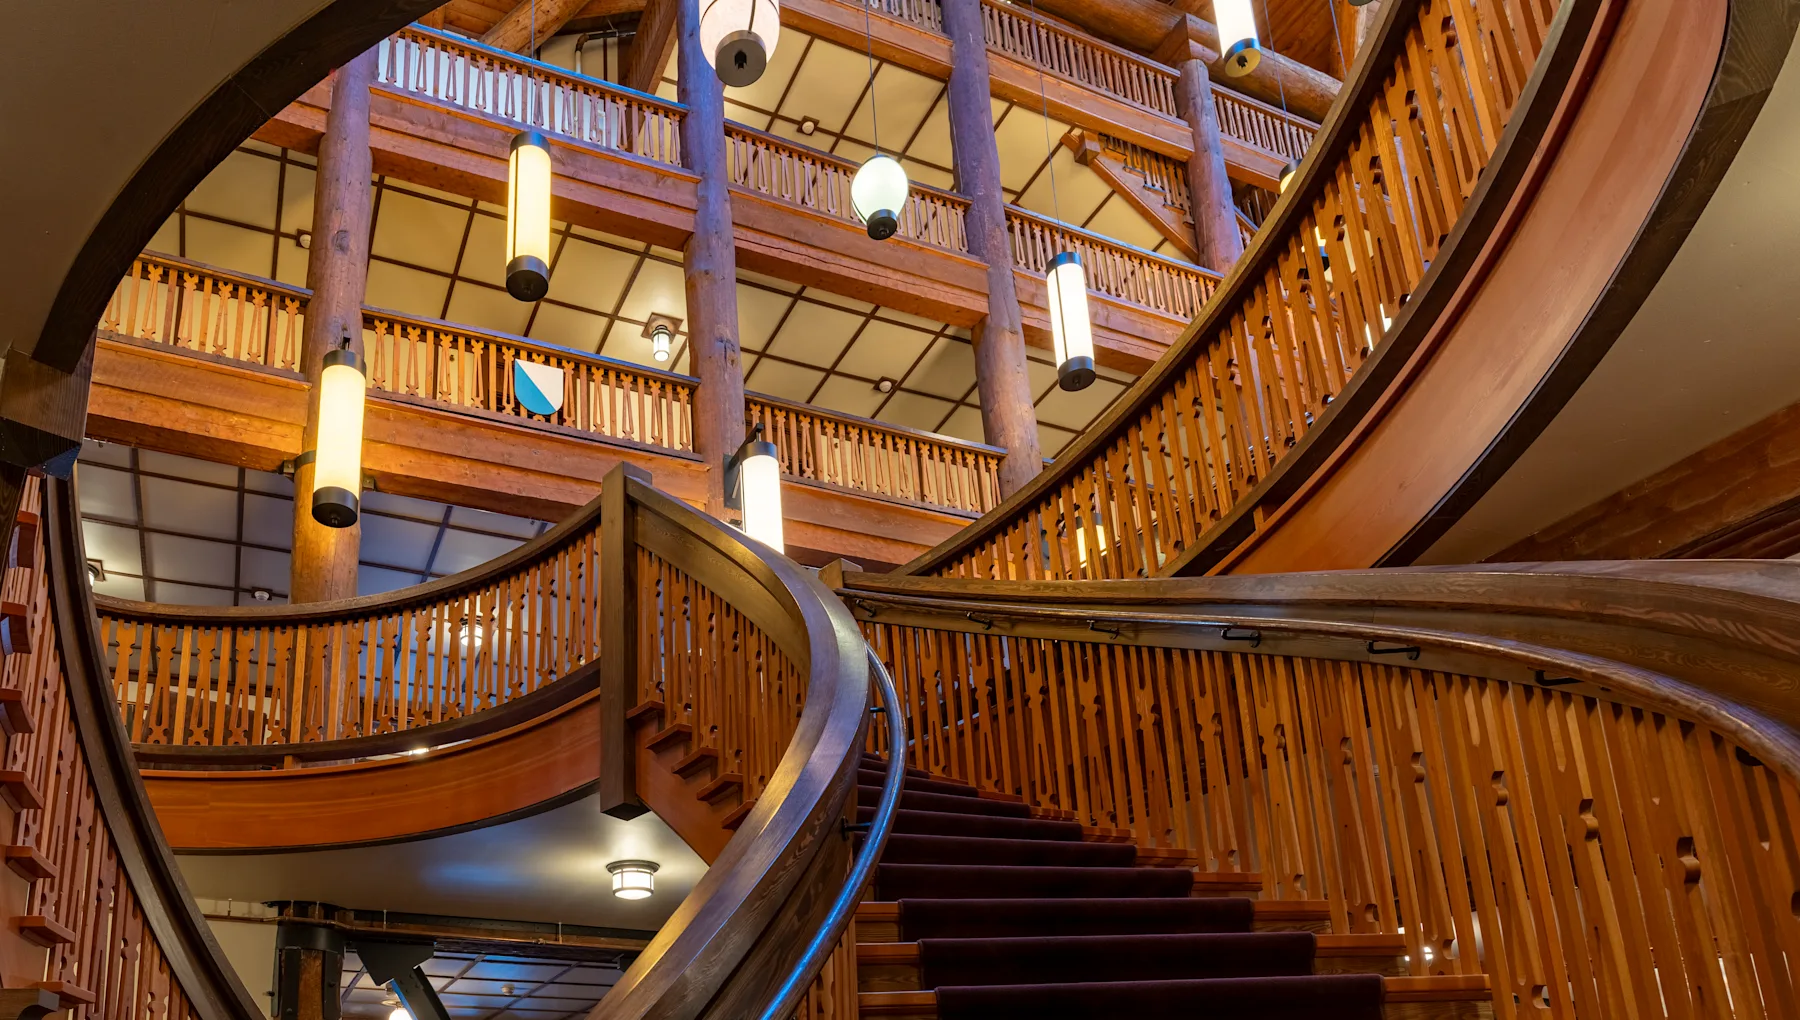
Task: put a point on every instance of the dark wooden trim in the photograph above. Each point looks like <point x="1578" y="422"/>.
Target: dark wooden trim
<point x="545" y="700"/>
<point x="1758" y="36"/>
<point x="618" y="644"/>
<point x="1715" y="642"/>
<point x="1337" y="132"/>
<point x="212" y="129"/>
<point x="210" y="983"/>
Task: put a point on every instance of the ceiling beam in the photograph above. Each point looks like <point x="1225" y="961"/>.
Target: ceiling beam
<point x="1145" y="26"/>
<point x="515" y="31"/>
<point x="653" y="45"/>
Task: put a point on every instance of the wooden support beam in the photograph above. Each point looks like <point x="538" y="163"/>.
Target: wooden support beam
<point x="1214" y="210"/>
<point x="532" y="22"/>
<point x="1008" y="417"/>
<point x="653" y="45"/>
<point x="1170" y="220"/>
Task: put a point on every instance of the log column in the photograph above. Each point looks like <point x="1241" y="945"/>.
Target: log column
<point x="710" y="266"/>
<point x="337" y="270"/>
<point x="1214" y="209"/>
<point x="1008" y="417"/>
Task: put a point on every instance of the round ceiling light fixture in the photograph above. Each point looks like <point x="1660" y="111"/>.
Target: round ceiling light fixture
<point x="632" y="880"/>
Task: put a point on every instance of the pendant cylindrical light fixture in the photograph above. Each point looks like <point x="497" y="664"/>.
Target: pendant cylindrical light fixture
<point x="753" y="488"/>
<point x="661" y="342"/>
<point x="1071" y="330"/>
<point x="528" y="217"/>
<point x="1287" y="175"/>
<point x="878" y="192"/>
<point x="1239" y="48"/>
<point x="633" y="880"/>
<point x="739" y="37"/>
<point x="337" y="460"/>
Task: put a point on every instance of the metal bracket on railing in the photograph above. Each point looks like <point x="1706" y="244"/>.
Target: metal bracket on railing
<point x="1098" y="627"/>
<point x="1554" y="681"/>
<point x="850" y="828"/>
<point x="987" y="622"/>
<point x="867" y="607"/>
<point x="1410" y="651"/>
<point x="1250" y="634"/>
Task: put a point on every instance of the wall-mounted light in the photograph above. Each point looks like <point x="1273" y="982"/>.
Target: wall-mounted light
<point x="1239" y="48"/>
<point x="739" y="37"/>
<point x="633" y="880"/>
<point x="1071" y="330"/>
<point x="878" y="192"/>
<point x="337" y="460"/>
<point x="660" y="330"/>
<point x="753" y="489"/>
<point x="528" y="217"/>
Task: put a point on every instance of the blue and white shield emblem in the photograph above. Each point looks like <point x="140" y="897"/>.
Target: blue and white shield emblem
<point x="538" y="386"/>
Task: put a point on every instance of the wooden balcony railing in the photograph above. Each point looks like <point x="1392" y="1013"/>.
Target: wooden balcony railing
<point x="928" y="14"/>
<point x="1081" y="58"/>
<point x="248" y="319"/>
<point x="814" y="180"/>
<point x="460" y="72"/>
<point x="1257" y="124"/>
<point x="1113" y="268"/>
<point x="1162" y="173"/>
<point x="1316" y="293"/>
<point x="868" y="456"/>
<point x="1545" y="778"/>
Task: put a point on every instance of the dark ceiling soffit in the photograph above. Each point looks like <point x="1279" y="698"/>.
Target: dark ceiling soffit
<point x="244" y="102"/>
<point x="1758" y="36"/>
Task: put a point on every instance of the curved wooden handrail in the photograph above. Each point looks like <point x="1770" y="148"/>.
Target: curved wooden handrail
<point x="1576" y="779"/>
<point x="1402" y="214"/>
<point x="105" y="914"/>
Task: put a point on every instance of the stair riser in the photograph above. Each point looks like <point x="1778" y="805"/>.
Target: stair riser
<point x="904" y="977"/>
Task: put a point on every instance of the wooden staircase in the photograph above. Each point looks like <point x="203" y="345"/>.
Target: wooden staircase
<point x="1151" y="183"/>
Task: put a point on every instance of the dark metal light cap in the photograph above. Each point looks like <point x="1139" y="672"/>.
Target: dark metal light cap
<point x="527" y="278"/>
<point x="884" y="224"/>
<point x="740" y="59"/>
<point x="1075" y="374"/>
<point x="334" y="507"/>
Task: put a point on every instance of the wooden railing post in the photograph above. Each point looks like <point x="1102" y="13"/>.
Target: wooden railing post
<point x="618" y="643"/>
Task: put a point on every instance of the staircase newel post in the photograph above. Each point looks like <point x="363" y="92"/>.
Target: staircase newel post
<point x="618" y="642"/>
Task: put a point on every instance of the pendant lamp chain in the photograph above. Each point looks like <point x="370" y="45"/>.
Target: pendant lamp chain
<point x="874" y="113"/>
<point x="1044" y="99"/>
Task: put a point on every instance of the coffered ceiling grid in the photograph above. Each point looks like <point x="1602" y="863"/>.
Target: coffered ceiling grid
<point x="439" y="256"/>
<point x="190" y="532"/>
<point x="483" y="986"/>
<point x="817" y="93"/>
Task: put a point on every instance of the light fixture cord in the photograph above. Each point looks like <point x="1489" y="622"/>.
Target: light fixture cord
<point x="1336" y="33"/>
<point x="1044" y="97"/>
<point x="1281" y="79"/>
<point x="874" y="114"/>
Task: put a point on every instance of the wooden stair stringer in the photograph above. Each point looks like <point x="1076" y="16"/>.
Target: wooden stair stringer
<point x="1149" y="202"/>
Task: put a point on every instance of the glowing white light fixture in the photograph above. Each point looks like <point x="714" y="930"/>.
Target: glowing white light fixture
<point x="631" y="880"/>
<point x="337" y="460"/>
<point x="96" y="572"/>
<point x="399" y="1013"/>
<point x="753" y="489"/>
<point x="1071" y="330"/>
<point x="739" y="37"/>
<point x="528" y="217"/>
<point x="661" y="340"/>
<point x="1239" y="48"/>
<point x="1287" y="175"/>
<point x="878" y="192"/>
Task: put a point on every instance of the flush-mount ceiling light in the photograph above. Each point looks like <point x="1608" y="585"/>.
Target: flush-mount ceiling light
<point x="1071" y="330"/>
<point x="1239" y="48"/>
<point x="753" y="488"/>
<point x="261" y="594"/>
<point x="878" y="192"/>
<point x="739" y="37"/>
<point x="337" y="460"/>
<point x="808" y="125"/>
<point x="884" y="385"/>
<point x="528" y="217"/>
<point x="631" y="880"/>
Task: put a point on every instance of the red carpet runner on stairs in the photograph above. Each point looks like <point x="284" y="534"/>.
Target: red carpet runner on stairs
<point x="1016" y="917"/>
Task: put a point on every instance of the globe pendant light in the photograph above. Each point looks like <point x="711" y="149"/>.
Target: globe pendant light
<point x="1238" y="45"/>
<point x="880" y="189"/>
<point x="1071" y="330"/>
<point x="753" y="489"/>
<point x="738" y="37"/>
<point x="528" y="217"/>
<point x="337" y="459"/>
<point x="878" y="192"/>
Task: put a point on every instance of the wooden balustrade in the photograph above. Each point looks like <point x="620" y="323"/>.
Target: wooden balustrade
<point x="869" y="456"/>
<point x="1080" y="58"/>
<point x="208" y="311"/>
<point x="1256" y="123"/>
<point x="1162" y="173"/>
<point x="1317" y="292"/>
<point x="464" y="73"/>
<point x="1596" y="836"/>
<point x="98" y="922"/>
<point x="927" y="14"/>
<point x="820" y="182"/>
<point x="456" y="365"/>
<point x="202" y="677"/>
<point x="1115" y="269"/>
